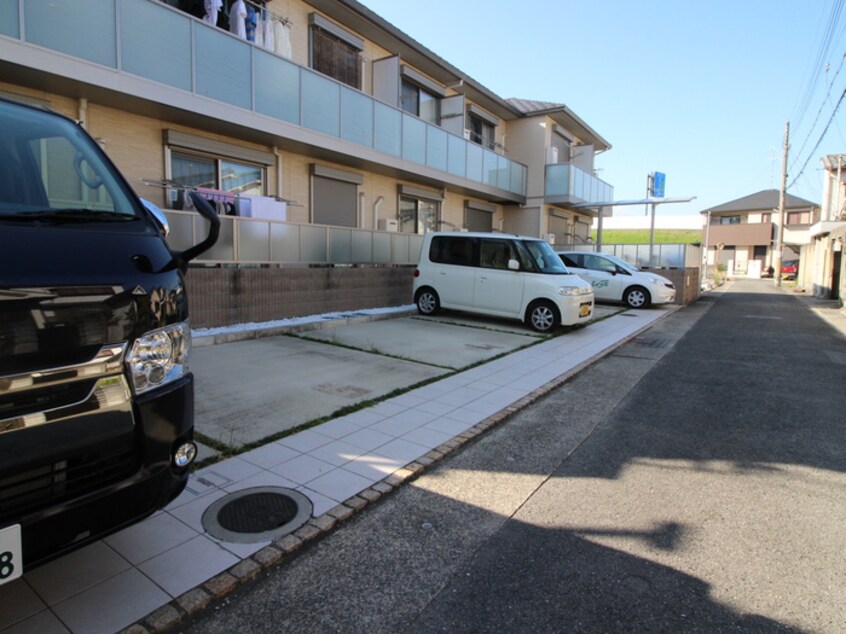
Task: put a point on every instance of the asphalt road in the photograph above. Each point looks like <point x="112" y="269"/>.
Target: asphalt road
<point x="695" y="480"/>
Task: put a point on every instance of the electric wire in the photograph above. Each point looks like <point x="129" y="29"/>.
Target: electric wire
<point x="819" y="141"/>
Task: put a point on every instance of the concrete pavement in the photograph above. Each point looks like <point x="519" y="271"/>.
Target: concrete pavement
<point x="169" y="566"/>
<point x="692" y="481"/>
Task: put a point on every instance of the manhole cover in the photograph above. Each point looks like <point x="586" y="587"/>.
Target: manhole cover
<point x="257" y="514"/>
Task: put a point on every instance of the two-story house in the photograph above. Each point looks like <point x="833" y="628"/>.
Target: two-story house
<point x="328" y="139"/>
<point x="741" y="233"/>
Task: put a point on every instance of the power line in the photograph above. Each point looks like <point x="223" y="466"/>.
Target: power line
<point x="817" y="117"/>
<point x="822" y="136"/>
<point x="822" y="54"/>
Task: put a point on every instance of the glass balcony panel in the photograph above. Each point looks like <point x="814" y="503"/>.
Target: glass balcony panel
<point x="413" y="139"/>
<point x="284" y="242"/>
<point x="436" y="148"/>
<point x="362" y="246"/>
<point x="490" y="163"/>
<point x="222" y="66"/>
<point x="156" y="44"/>
<point x="387" y="129"/>
<point x="253" y="241"/>
<point x="277" y="87"/>
<point x="9" y="18"/>
<point x="313" y="243"/>
<point x="456" y="155"/>
<point x="382" y="248"/>
<point x="475" y="155"/>
<point x="356" y="117"/>
<point x="321" y="104"/>
<point x="58" y="25"/>
<point x="518" y="178"/>
<point x="502" y="172"/>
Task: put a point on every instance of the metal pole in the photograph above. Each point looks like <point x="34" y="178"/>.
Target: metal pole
<point x="781" y="194"/>
<point x="652" y="238"/>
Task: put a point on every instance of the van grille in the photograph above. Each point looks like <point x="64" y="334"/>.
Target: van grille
<point x="63" y="480"/>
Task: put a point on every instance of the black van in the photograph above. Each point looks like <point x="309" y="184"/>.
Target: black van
<point x="96" y="398"/>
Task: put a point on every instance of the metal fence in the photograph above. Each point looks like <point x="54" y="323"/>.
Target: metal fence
<point x="664" y="256"/>
<point x="257" y="241"/>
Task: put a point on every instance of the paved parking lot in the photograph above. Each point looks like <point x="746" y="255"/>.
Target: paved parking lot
<point x="169" y="564"/>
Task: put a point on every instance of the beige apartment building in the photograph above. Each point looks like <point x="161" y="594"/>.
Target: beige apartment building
<point x="823" y="267"/>
<point x="328" y="139"/>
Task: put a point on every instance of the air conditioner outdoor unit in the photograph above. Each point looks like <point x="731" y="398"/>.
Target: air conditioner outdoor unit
<point x="388" y="224"/>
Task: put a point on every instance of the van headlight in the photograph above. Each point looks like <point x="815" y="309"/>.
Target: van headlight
<point x="159" y="357"/>
<point x="571" y="291"/>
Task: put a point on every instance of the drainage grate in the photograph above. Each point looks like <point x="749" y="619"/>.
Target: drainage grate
<point x="257" y="514"/>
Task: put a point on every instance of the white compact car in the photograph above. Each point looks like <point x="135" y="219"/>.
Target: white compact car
<point x="500" y="275"/>
<point x="615" y="280"/>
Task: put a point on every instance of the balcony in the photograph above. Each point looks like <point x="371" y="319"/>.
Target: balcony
<point x="748" y="234"/>
<point x="567" y="184"/>
<point x="153" y="53"/>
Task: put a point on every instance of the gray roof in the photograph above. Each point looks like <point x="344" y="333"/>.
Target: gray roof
<point x="765" y="200"/>
<point x="562" y="115"/>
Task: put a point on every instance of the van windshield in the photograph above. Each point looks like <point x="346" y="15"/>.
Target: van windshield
<point x="50" y="170"/>
<point x="541" y="257"/>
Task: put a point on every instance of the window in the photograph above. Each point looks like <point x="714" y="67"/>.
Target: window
<point x="418" y="216"/>
<point x="452" y="250"/>
<point x="216" y="173"/>
<point x="597" y="263"/>
<point x="495" y="254"/>
<point x="420" y="102"/>
<point x="798" y="218"/>
<point x="766" y="217"/>
<point x="335" y="51"/>
<point x="481" y="132"/>
<point x="728" y="220"/>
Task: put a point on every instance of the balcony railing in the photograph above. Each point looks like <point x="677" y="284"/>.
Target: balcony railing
<point x="257" y="241"/>
<point x="154" y="41"/>
<point x="566" y="183"/>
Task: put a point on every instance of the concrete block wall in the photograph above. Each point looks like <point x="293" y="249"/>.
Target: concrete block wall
<point x="227" y="296"/>
<point x="686" y="282"/>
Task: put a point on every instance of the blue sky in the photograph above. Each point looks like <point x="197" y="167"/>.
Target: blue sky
<point x="698" y="90"/>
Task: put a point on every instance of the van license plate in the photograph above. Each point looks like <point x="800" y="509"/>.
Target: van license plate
<point x="11" y="562"/>
<point x="584" y="309"/>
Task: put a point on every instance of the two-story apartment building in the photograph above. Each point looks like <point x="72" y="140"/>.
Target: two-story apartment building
<point x="326" y="136"/>
<point x="741" y="233"/>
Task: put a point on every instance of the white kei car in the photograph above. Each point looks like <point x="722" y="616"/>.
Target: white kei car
<point x="615" y="280"/>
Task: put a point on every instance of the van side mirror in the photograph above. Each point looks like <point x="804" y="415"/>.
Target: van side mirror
<point x="180" y="260"/>
<point x="513" y="265"/>
<point x="158" y="216"/>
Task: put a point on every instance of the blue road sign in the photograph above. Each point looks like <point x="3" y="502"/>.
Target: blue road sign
<point x="658" y="184"/>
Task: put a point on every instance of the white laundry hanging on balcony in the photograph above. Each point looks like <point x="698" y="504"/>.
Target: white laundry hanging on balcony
<point x="212" y="7"/>
<point x="237" y="19"/>
<point x="282" y="40"/>
<point x="269" y="39"/>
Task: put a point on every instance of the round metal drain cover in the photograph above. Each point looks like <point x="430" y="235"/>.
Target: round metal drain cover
<point x="257" y="514"/>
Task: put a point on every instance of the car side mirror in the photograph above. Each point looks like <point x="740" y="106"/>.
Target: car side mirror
<point x="513" y="265"/>
<point x="611" y="269"/>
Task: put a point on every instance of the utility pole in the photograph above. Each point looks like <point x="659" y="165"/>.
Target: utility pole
<point x="781" y="194"/>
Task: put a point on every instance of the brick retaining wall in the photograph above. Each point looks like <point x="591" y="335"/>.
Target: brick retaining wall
<point x="226" y="296"/>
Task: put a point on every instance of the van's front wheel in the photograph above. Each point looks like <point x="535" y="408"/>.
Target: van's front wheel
<point x="427" y="301"/>
<point x="543" y="316"/>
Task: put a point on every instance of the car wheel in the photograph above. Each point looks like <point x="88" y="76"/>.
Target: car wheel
<point x="427" y="301"/>
<point x="543" y="316"/>
<point x="637" y="297"/>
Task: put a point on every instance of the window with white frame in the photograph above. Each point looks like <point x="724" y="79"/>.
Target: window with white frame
<point x="417" y="215"/>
